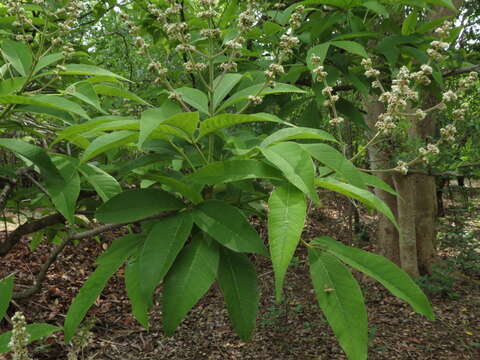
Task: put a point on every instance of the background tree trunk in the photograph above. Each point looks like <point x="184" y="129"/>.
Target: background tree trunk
<point x="405" y="187"/>
<point x="386" y="235"/>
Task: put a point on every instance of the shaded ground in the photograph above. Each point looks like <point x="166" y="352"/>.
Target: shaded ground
<point x="295" y="329"/>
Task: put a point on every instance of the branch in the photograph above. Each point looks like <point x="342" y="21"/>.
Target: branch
<point x="78" y="236"/>
<point x="9" y="186"/>
<point x="461" y="70"/>
<point x="29" y="227"/>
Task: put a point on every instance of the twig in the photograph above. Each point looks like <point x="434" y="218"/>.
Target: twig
<point x="9" y="186"/>
<point x="78" y="236"/>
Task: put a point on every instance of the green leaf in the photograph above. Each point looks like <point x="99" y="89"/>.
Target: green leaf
<point x="109" y="90"/>
<point x="18" y="54"/>
<point x="49" y="101"/>
<point x="185" y="124"/>
<point x="336" y="161"/>
<point x="72" y="131"/>
<point x="6" y="292"/>
<point x="196" y="98"/>
<point x="47" y="60"/>
<point x="225" y="120"/>
<point x="108" y="263"/>
<point x="257" y="89"/>
<point x="296" y="133"/>
<point x="133" y="280"/>
<point x="12" y="85"/>
<point x="153" y="117"/>
<point x="356" y="193"/>
<point x="234" y="170"/>
<point x="286" y="219"/>
<point x="64" y="196"/>
<point x="85" y="92"/>
<point x="108" y="142"/>
<point x="136" y="204"/>
<point x="351" y="46"/>
<point x="381" y="269"/>
<point x="227" y="225"/>
<point x="295" y="164"/>
<point x="320" y="51"/>
<point x="84" y="69"/>
<point x="36" y="332"/>
<point x="223" y="85"/>
<point x="238" y="280"/>
<point x="410" y="23"/>
<point x="164" y="242"/>
<point x="341" y="300"/>
<point x="375" y="181"/>
<point x="191" y="276"/>
<point x="377" y="8"/>
<point x="104" y="184"/>
<point x="191" y="192"/>
<point x="35" y="154"/>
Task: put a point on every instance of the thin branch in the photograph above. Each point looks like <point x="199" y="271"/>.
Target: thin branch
<point x="462" y="70"/>
<point x="78" y="236"/>
<point x="27" y="228"/>
<point x="10" y="185"/>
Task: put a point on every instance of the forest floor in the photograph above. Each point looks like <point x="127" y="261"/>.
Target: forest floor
<point x="295" y="329"/>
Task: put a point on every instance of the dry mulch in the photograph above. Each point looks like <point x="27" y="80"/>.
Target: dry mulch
<point x="295" y="329"/>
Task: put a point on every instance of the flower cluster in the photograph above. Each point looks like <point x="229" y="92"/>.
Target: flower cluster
<point x="370" y="72"/>
<point x="273" y="71"/>
<point x="319" y="71"/>
<point x="448" y="132"/>
<point x="431" y="149"/>
<point x="468" y="81"/>
<point x="402" y="167"/>
<point x="437" y="48"/>
<point x="295" y="20"/>
<point x="287" y="43"/>
<point x="20" y="338"/>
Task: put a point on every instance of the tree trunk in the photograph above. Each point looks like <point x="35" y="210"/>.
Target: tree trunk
<point x="405" y="187"/>
<point x="425" y="221"/>
<point x="387" y="235"/>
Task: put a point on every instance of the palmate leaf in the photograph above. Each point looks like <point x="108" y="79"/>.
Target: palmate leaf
<point x="54" y="102"/>
<point x="295" y="134"/>
<point x="227" y="225"/>
<point x="104" y="184"/>
<point x="196" y="98"/>
<point x="381" y="269"/>
<point x="234" y="170"/>
<point x="341" y="300"/>
<point x="36" y="332"/>
<point x="136" y="204"/>
<point x="64" y="196"/>
<point x="335" y="160"/>
<point x="225" y="120"/>
<point x="295" y="164"/>
<point x="6" y="292"/>
<point x="356" y="193"/>
<point x="162" y="245"/>
<point x="223" y="85"/>
<point x="109" y="90"/>
<point x="151" y="118"/>
<point x="18" y="54"/>
<point x="133" y="279"/>
<point x="108" y="142"/>
<point x="190" y="277"/>
<point x="238" y="280"/>
<point x="257" y="89"/>
<point x="286" y="219"/>
<point x="108" y="263"/>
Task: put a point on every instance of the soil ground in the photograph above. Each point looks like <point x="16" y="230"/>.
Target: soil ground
<point x="295" y="329"/>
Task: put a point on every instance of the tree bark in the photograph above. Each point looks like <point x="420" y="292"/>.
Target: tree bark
<point x="404" y="184"/>
<point x="387" y="235"/>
